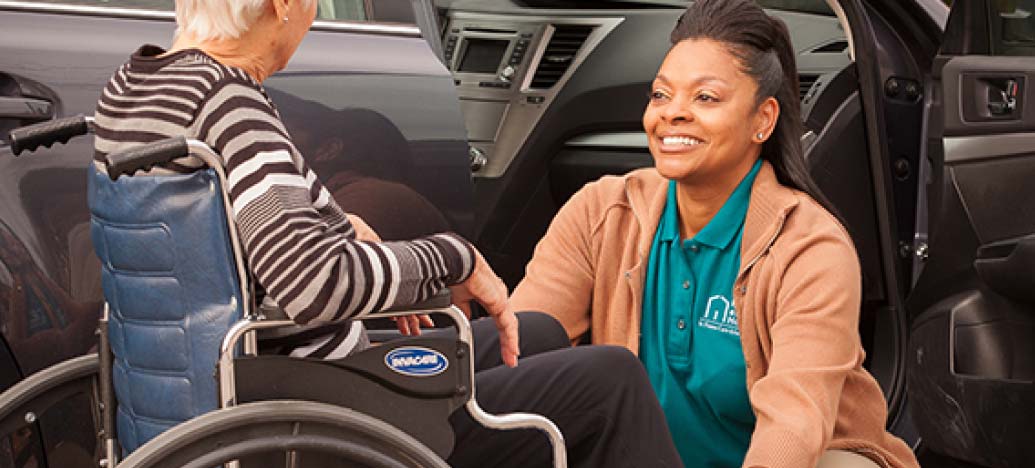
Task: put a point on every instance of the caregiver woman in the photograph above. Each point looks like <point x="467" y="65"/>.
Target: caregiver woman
<point x="723" y="266"/>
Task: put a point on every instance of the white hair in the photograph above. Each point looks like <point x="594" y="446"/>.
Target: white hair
<point x="218" y="19"/>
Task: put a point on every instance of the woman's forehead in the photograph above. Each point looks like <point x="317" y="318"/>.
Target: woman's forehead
<point x="696" y="61"/>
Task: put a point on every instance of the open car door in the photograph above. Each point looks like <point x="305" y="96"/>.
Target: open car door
<point x="971" y="358"/>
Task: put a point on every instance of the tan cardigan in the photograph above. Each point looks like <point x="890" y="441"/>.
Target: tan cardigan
<point x="797" y="299"/>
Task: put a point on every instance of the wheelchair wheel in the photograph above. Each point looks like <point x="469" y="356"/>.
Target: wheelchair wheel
<point x="284" y="434"/>
<point x="24" y="402"/>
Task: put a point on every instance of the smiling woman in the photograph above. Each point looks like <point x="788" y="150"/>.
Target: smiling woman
<point x="722" y="266"/>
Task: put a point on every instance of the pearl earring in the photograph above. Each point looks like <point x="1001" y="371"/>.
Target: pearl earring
<point x="760" y="135"/>
<point x="285" y="19"/>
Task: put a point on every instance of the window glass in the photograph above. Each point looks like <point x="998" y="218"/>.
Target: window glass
<point x="342" y="10"/>
<point x="327" y="10"/>
<point x="158" y="5"/>
<point x="1013" y="27"/>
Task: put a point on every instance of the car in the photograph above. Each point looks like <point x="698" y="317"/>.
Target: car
<point x="486" y="115"/>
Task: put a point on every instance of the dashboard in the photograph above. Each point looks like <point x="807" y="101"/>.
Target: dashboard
<point x="510" y="63"/>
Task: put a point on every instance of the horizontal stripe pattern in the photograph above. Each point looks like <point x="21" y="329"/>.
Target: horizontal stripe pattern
<point x="297" y="239"/>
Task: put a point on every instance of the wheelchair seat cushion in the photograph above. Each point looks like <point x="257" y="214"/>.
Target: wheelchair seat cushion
<point x="171" y="286"/>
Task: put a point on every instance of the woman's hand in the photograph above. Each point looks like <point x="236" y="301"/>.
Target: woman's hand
<point x="363" y="230"/>
<point x="488" y="289"/>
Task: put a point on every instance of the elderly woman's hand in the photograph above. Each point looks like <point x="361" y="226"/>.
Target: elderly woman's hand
<point x="363" y="230"/>
<point x="488" y="289"/>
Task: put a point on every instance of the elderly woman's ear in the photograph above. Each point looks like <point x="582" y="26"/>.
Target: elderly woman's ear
<point x="282" y="9"/>
<point x="294" y="10"/>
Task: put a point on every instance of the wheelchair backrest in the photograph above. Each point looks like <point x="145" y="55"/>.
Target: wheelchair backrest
<point x="172" y="289"/>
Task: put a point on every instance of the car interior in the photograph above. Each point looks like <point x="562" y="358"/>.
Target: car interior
<point x="552" y="94"/>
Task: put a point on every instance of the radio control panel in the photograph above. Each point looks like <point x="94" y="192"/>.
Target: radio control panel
<point x="489" y="55"/>
<point x="494" y="61"/>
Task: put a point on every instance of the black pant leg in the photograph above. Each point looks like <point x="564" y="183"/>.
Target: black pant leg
<point x="538" y="333"/>
<point x="600" y="398"/>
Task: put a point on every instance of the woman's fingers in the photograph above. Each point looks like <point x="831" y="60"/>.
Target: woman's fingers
<point x="507" y="325"/>
<point x="363" y="230"/>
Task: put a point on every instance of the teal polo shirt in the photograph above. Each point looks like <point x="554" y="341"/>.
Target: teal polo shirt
<point x="690" y="342"/>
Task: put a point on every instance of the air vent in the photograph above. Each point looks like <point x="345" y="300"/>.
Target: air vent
<point x="835" y="47"/>
<point x="805" y="84"/>
<point x="560" y="54"/>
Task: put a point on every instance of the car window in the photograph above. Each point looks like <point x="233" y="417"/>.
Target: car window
<point x="350" y="10"/>
<point x="1013" y="26"/>
<point x="391" y="11"/>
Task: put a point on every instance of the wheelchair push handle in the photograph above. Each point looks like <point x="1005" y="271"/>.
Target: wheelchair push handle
<point x="145" y="156"/>
<point x="31" y="137"/>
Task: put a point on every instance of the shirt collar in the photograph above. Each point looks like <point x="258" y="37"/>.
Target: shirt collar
<point x="723" y="227"/>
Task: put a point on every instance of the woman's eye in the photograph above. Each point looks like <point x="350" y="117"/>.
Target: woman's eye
<point x="658" y="95"/>
<point x="705" y="97"/>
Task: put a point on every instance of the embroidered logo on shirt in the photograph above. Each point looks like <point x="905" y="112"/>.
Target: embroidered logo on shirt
<point x="720" y="315"/>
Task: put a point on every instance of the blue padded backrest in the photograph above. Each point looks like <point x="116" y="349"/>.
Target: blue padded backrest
<point x="171" y="285"/>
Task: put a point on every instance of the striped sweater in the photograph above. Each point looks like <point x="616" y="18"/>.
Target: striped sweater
<point x="299" y="244"/>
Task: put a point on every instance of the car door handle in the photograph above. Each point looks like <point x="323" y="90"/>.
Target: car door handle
<point x="1005" y="101"/>
<point x="25" y="108"/>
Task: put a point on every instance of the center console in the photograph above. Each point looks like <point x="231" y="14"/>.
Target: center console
<point x="507" y="71"/>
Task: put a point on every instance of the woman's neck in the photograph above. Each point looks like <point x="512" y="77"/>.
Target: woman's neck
<point x="242" y="52"/>
<point x="700" y="201"/>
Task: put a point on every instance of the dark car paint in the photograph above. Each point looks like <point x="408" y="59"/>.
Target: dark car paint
<point x="513" y="211"/>
<point x="387" y="139"/>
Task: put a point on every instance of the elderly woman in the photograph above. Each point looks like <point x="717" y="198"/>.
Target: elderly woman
<point x="303" y="249"/>
<point x="722" y="266"/>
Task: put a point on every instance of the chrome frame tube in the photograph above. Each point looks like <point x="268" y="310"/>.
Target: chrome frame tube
<point x="502" y="422"/>
<point x="107" y="391"/>
<point x="214" y="161"/>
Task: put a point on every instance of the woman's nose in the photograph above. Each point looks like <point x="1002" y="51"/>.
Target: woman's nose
<point x="677" y="111"/>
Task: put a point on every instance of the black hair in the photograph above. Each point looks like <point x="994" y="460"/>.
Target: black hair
<point x="762" y="44"/>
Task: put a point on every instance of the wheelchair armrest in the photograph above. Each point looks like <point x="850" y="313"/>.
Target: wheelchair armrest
<point x="440" y="300"/>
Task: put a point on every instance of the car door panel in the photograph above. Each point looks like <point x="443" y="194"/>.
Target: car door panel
<point x="972" y="351"/>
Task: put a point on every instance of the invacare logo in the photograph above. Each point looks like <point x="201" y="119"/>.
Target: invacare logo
<point x="415" y="361"/>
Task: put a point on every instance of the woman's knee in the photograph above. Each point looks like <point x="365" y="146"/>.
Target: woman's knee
<point x="540" y="332"/>
<point x="613" y="364"/>
<point x="845" y="459"/>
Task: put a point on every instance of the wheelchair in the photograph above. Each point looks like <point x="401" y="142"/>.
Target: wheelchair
<point x="178" y="380"/>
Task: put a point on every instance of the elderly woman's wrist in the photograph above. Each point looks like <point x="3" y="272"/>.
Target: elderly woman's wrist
<point x="459" y="256"/>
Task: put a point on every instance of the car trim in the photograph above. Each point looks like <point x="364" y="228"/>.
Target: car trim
<point x="628" y="140"/>
<point x="390" y="29"/>
<point x="960" y="149"/>
<point x="845" y="26"/>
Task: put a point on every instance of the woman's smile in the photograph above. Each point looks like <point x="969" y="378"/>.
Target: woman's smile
<point x="679" y="143"/>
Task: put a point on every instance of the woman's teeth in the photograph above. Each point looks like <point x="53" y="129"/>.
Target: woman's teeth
<point x="680" y="140"/>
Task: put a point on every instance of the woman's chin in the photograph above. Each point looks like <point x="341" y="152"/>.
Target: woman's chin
<point x="672" y="171"/>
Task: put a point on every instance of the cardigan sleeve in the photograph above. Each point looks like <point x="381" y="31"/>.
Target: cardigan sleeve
<point x="815" y="345"/>
<point x="559" y="278"/>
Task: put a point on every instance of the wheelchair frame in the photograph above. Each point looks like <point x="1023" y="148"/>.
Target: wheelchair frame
<point x="47" y="386"/>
